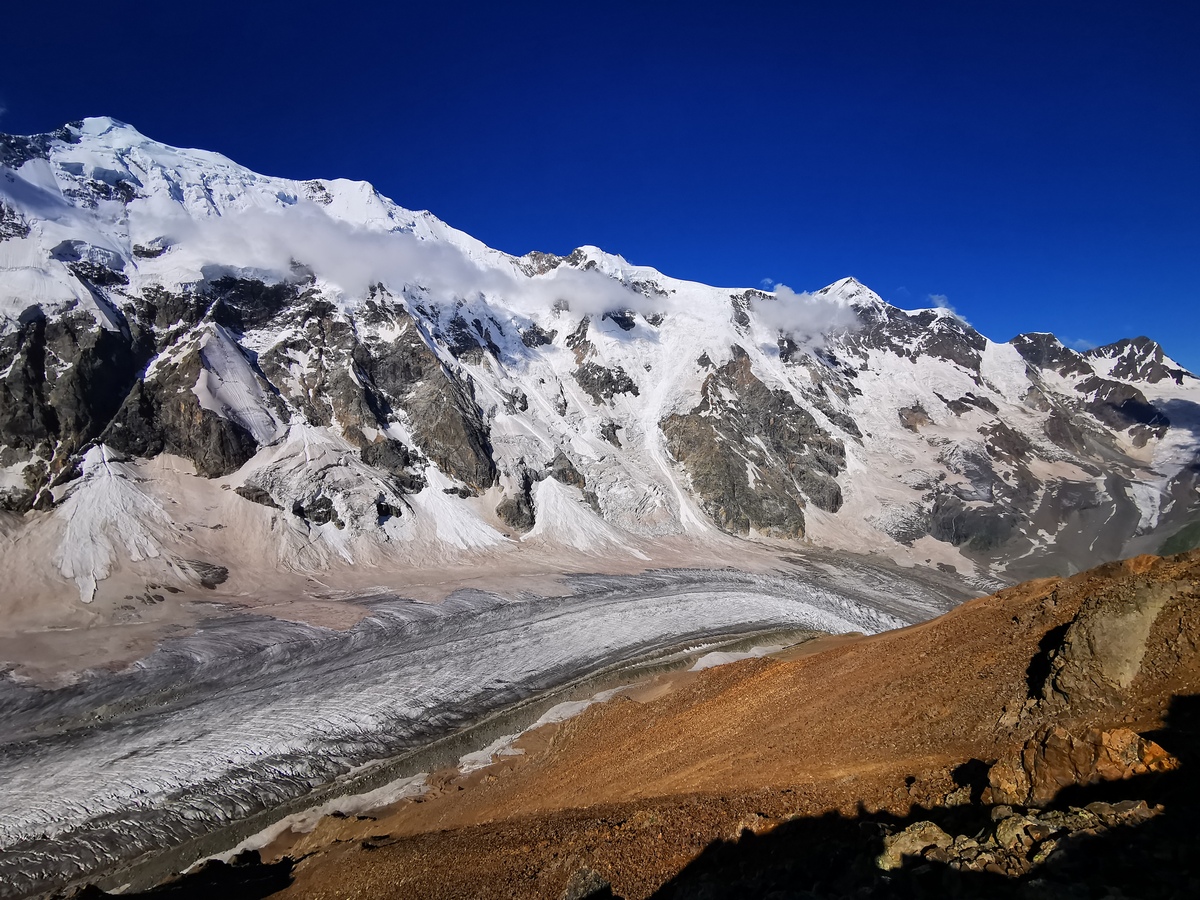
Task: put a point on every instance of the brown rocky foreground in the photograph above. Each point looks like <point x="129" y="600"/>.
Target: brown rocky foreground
<point x="1041" y="742"/>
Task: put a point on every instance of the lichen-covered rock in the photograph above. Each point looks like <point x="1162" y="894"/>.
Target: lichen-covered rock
<point x="912" y="841"/>
<point x="1102" y="649"/>
<point x="586" y="884"/>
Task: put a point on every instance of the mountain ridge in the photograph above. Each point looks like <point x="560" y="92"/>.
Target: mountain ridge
<point x="360" y="383"/>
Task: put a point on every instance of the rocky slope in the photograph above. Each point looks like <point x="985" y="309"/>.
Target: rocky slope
<point x="187" y="346"/>
<point x="1041" y="742"/>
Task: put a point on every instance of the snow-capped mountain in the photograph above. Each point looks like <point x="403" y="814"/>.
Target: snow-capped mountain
<point x="209" y="373"/>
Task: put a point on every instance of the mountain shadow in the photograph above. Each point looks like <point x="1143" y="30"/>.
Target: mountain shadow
<point x="245" y="877"/>
<point x="1137" y="837"/>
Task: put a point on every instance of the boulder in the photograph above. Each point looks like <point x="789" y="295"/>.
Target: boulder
<point x="912" y="841"/>
<point x="1054" y="759"/>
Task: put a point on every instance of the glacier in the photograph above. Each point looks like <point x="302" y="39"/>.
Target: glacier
<point x="249" y="716"/>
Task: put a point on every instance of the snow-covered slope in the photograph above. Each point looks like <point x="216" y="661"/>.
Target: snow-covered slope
<point x="354" y="383"/>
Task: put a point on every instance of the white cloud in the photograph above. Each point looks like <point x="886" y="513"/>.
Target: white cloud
<point x="941" y="301"/>
<point x="354" y="258"/>
<point x="267" y="241"/>
<point x="808" y="319"/>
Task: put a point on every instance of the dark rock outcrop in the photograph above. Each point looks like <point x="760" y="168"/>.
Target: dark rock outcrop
<point x="446" y="421"/>
<point x="602" y="383"/>
<point x="977" y="528"/>
<point x="518" y="510"/>
<point x="242" y="304"/>
<point x="742" y="430"/>
<point x="1120" y="406"/>
<point x="926" y="333"/>
<point x="256" y="494"/>
<point x="563" y="470"/>
<point x="1139" y="359"/>
<point x="1045" y="351"/>
<point x="536" y="336"/>
<point x="162" y="414"/>
<point x="12" y="224"/>
<point x="394" y="458"/>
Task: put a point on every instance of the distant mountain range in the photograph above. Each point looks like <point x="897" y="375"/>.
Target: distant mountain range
<point x="358" y="384"/>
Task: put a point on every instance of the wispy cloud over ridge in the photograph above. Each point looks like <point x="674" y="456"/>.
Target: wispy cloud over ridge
<point x="941" y="301"/>
<point x="806" y="318"/>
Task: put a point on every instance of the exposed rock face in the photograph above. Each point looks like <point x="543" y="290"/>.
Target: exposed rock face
<point x="1102" y="650"/>
<point x="602" y="383"/>
<point x="12" y="224"/>
<point x="1139" y="359"/>
<point x="161" y="414"/>
<point x="518" y="510"/>
<point x="1120" y="406"/>
<point x="913" y="417"/>
<point x="1046" y="352"/>
<point x="976" y="528"/>
<point x="394" y="458"/>
<point x="926" y="333"/>
<point x="445" y="419"/>
<point x="256" y="495"/>
<point x="753" y="455"/>
<point x="360" y="385"/>
<point x="562" y="469"/>
<point x="1055" y="759"/>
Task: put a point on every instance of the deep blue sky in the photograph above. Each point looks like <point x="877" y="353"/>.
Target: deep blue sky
<point x="1038" y="163"/>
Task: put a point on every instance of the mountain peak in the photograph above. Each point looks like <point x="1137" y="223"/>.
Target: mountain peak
<point x="1139" y="359"/>
<point x="852" y="292"/>
<point x="102" y="125"/>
